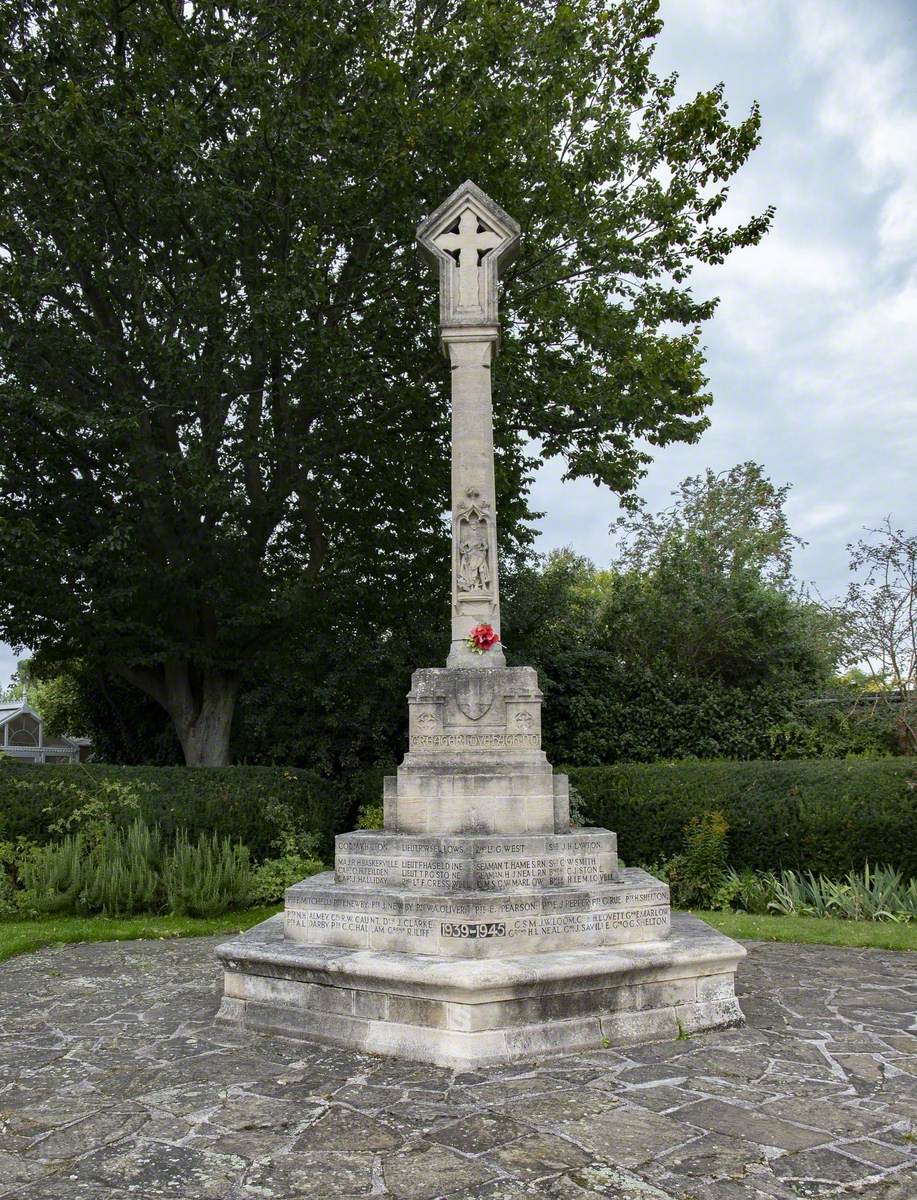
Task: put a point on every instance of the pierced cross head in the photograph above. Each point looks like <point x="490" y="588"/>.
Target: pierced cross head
<point x="469" y="239"/>
<point x="468" y="242"/>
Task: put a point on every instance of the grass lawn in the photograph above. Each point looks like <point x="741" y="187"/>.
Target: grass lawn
<point x="829" y="931"/>
<point x="19" y="936"/>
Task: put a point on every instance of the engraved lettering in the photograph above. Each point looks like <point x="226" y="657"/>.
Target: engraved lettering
<point x="478" y="741"/>
<point x="465" y="930"/>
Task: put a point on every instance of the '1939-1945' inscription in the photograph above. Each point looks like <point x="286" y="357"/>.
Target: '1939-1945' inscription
<point x="483" y="929"/>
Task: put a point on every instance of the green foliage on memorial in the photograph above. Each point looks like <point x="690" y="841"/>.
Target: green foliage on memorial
<point x="224" y="409"/>
<point x="272" y="878"/>
<point x="826" y="816"/>
<point x="260" y="806"/>
<point x="294" y="856"/>
<point x="371" y="816"/>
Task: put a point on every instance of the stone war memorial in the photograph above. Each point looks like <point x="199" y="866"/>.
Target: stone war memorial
<point x="478" y="927"/>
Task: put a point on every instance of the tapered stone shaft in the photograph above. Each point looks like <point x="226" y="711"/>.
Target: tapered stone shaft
<point x="475" y="570"/>
<point x="468" y="238"/>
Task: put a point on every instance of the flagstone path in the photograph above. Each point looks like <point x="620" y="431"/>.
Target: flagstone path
<point x="115" y="1083"/>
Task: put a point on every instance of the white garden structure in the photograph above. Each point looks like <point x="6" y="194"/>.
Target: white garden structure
<point x="23" y="737"/>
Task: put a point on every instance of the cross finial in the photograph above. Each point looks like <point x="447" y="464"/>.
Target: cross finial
<point x="469" y="238"/>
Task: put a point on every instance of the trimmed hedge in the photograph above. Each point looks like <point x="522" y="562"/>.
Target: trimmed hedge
<point x="823" y="815"/>
<point x="251" y="804"/>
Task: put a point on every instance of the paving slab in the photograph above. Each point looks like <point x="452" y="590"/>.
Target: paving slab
<point x="115" y="1081"/>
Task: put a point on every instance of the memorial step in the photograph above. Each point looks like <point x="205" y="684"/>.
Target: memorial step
<point x="321" y="912"/>
<point x="476" y="861"/>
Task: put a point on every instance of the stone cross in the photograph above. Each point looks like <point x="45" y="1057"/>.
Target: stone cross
<point x="469" y="242"/>
<point x="468" y="239"/>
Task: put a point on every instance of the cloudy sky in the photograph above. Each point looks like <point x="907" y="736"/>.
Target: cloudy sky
<point x="813" y="352"/>
<point x="812" y="356"/>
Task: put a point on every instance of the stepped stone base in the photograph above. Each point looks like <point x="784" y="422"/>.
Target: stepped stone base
<point x="478" y="927"/>
<point x="466" y="1013"/>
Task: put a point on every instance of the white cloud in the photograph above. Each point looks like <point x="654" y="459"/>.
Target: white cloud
<point x="729" y="20"/>
<point x="867" y="98"/>
<point x="8" y="662"/>
<point x="816" y="517"/>
<point x="812" y="354"/>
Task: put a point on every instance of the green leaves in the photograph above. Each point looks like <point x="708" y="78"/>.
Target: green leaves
<point x="829" y="817"/>
<point x="220" y="383"/>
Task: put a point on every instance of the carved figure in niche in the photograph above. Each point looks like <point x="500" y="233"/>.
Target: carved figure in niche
<point x="474" y="568"/>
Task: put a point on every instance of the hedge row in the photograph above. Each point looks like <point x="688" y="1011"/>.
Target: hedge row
<point x="823" y="815"/>
<point x="251" y="804"/>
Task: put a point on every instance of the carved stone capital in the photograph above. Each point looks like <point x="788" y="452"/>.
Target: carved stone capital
<point x="468" y="238"/>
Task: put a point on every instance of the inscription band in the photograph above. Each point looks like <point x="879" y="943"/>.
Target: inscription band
<point x="483" y="741"/>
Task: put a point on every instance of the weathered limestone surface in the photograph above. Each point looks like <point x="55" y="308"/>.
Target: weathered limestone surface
<point x="475" y="924"/>
<point x="468" y="239"/>
<point x="116" y="1083"/>
<point x="474" y="761"/>
<point x="477" y="862"/>
<point x="465" y="1013"/>
<point x="479" y="927"/>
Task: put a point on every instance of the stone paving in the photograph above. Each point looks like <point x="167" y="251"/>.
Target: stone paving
<point x="115" y="1083"/>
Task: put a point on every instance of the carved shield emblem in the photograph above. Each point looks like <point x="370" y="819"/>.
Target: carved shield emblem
<point x="475" y="694"/>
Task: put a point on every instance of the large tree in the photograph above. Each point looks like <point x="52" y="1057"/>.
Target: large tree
<point x="221" y="391"/>
<point x="878" y="617"/>
<point x="704" y="589"/>
<point x="697" y="641"/>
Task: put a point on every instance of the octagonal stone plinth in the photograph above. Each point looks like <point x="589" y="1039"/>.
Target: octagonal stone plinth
<point x="472" y="1013"/>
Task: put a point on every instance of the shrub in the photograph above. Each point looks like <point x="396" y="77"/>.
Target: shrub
<point x="599" y="711"/>
<point x="829" y="816"/>
<point x="371" y="816"/>
<point x="254" y="805"/>
<point x="52" y="876"/>
<point x="873" y="894"/>
<point x="208" y="877"/>
<point x="697" y="872"/>
<point x="743" y="890"/>
<point x="121" y="874"/>
<point x="131" y="871"/>
<point x="273" y="877"/>
<point x="108" y="804"/>
<point x="364" y="789"/>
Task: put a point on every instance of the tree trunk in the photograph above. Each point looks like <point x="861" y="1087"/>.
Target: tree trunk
<point x="204" y="725"/>
<point x="201" y="705"/>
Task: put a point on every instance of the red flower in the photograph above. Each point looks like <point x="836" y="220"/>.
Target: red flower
<point x="482" y="638"/>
